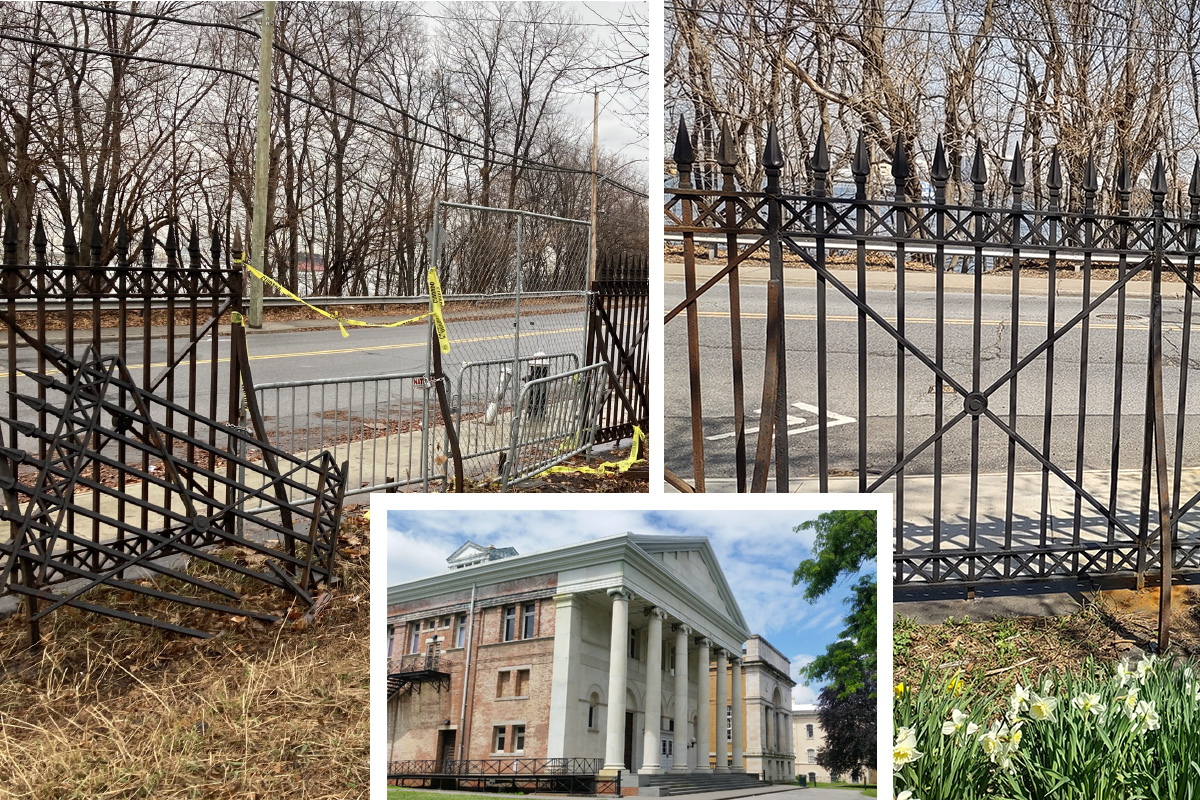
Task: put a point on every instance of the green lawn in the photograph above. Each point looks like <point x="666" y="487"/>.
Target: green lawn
<point x="395" y="793"/>
<point x="868" y="789"/>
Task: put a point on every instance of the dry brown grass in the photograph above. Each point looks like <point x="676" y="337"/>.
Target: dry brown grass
<point x="108" y="709"/>
<point x="992" y="655"/>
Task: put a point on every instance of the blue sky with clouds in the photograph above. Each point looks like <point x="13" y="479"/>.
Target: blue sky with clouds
<point x="757" y="550"/>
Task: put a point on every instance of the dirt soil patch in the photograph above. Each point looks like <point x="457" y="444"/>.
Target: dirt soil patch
<point x="116" y="710"/>
<point x="993" y="655"/>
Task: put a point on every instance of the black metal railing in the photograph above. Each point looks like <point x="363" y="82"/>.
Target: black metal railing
<point x="555" y="775"/>
<point x="1022" y="425"/>
<point x="417" y="662"/>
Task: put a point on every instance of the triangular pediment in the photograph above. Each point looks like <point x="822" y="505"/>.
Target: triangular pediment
<point x="468" y="552"/>
<point x="692" y="561"/>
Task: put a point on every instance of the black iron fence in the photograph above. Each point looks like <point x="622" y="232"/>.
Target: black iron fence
<point x="555" y="775"/>
<point x="617" y="334"/>
<point x="1000" y="369"/>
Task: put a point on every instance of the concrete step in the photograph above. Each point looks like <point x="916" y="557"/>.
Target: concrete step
<point x="675" y="784"/>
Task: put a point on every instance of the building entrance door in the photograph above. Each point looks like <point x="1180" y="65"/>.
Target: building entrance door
<point x="629" y="740"/>
<point x="446" y="741"/>
<point x="667" y="756"/>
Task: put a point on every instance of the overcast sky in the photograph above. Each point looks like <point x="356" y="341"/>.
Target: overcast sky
<point x="758" y="552"/>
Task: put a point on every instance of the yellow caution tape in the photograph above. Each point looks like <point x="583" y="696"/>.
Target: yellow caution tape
<point x="605" y="469"/>
<point x="439" y="325"/>
<point x="435" y="288"/>
<point x="335" y="316"/>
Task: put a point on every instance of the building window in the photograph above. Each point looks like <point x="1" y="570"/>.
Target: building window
<point x="445" y="622"/>
<point x="391" y="635"/>
<point x="670" y="660"/>
<point x="812" y="778"/>
<point x="633" y="644"/>
<point x="510" y="623"/>
<point x="594" y="712"/>
<point x="498" y="738"/>
<point x="518" y="738"/>
<point x="812" y="756"/>
<point x="808" y="730"/>
<point x="528" y="620"/>
<point x="729" y="723"/>
<point x="415" y="644"/>
<point x="460" y="636"/>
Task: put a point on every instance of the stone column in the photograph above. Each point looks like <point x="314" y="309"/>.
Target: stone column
<point x="702" y="735"/>
<point x="618" y="666"/>
<point x="722" y="748"/>
<point x="739" y="764"/>
<point x="652" y="739"/>
<point x="565" y="724"/>
<point x="682" y="632"/>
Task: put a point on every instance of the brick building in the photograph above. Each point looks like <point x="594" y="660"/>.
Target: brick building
<point x="810" y="738"/>
<point x="593" y="650"/>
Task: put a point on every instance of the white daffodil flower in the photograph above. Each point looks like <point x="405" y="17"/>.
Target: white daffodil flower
<point x="1121" y="673"/>
<point x="1089" y="703"/>
<point x="1041" y="708"/>
<point x="1020" y="699"/>
<point x="905" y="751"/>
<point x="958" y="722"/>
<point x="1145" y="717"/>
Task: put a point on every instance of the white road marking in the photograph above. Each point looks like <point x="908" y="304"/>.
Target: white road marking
<point x="833" y="419"/>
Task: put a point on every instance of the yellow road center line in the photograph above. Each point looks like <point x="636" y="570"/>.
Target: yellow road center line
<point x="133" y="368"/>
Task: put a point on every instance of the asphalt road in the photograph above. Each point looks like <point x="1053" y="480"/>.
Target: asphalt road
<point x="917" y="400"/>
<point x="322" y="354"/>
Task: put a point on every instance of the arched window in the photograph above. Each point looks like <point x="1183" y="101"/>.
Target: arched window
<point x="593" y="718"/>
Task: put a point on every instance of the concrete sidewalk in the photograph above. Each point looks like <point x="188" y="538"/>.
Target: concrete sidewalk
<point x="885" y="280"/>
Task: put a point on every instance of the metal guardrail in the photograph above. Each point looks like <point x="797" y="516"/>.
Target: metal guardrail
<point x="556" y="419"/>
<point x="113" y="303"/>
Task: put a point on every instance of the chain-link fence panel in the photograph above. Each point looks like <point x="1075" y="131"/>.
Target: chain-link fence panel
<point x="516" y="310"/>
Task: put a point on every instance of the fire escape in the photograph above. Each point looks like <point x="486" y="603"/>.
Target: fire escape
<point x="409" y="673"/>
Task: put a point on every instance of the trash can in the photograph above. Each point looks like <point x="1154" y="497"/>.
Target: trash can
<point x="539" y="367"/>
<point x="803" y="781"/>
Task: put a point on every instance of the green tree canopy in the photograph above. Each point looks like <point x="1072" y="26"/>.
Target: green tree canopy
<point x="845" y="542"/>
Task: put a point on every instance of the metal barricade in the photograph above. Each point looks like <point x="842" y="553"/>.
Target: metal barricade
<point x="556" y="419"/>
<point x="371" y="421"/>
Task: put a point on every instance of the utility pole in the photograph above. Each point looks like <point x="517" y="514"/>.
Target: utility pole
<point x="595" y="145"/>
<point x="262" y="166"/>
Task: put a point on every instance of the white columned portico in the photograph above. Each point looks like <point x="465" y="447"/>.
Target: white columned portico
<point x="703" y="746"/>
<point x="722" y="747"/>
<point x="652" y="739"/>
<point x="682" y="632"/>
<point x="618" y="666"/>
<point x="739" y="764"/>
